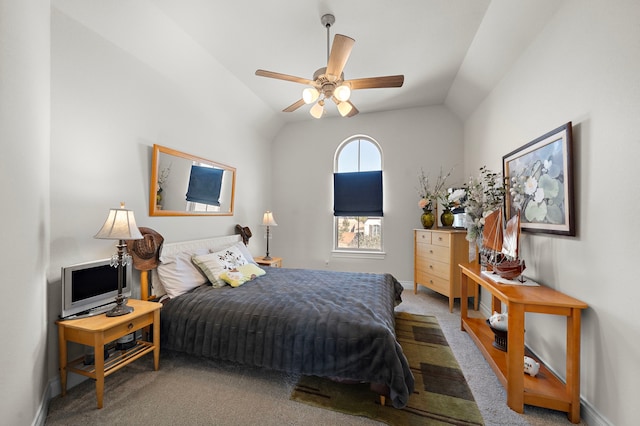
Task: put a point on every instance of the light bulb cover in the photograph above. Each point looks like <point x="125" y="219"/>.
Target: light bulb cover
<point x="310" y="94"/>
<point x="317" y="110"/>
<point x="342" y="92"/>
<point x="344" y="108"/>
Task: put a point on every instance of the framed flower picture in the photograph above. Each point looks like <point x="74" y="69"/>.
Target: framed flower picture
<point x="539" y="179"/>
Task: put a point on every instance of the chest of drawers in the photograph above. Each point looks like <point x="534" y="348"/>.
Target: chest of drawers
<point x="437" y="254"/>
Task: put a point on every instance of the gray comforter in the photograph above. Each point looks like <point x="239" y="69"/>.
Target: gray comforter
<point x="323" y="323"/>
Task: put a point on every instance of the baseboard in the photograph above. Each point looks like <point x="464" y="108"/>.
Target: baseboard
<point x="407" y="284"/>
<point x="52" y="390"/>
<point x="43" y="409"/>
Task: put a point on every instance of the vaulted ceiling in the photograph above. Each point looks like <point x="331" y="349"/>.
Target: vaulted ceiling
<point x="450" y="51"/>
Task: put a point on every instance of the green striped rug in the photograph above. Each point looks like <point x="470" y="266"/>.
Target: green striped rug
<point x="441" y="395"/>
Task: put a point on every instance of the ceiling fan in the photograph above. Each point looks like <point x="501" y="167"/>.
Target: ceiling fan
<point x="329" y="83"/>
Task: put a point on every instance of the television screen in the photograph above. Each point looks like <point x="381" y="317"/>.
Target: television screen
<point x="91" y="287"/>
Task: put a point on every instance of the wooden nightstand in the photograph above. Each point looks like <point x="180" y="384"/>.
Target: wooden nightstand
<point x="274" y="262"/>
<point x="99" y="330"/>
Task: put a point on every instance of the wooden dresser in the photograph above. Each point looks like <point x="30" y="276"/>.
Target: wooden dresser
<point x="437" y="253"/>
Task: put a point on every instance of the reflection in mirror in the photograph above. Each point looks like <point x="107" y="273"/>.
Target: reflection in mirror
<point x="183" y="185"/>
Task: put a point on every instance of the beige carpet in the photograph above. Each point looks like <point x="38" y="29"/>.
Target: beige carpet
<point x="441" y="395"/>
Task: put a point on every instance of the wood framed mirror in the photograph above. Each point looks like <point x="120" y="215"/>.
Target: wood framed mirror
<point x="187" y="185"/>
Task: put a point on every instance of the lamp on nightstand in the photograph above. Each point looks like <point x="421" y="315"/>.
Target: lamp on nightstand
<point x="120" y="225"/>
<point x="268" y="220"/>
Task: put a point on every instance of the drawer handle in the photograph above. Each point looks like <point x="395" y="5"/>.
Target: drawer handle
<point x="430" y="281"/>
<point x="431" y="251"/>
<point x="430" y="266"/>
<point x="130" y="326"/>
<point x="439" y="238"/>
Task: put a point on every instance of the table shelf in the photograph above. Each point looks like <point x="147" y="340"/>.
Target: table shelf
<point x="116" y="360"/>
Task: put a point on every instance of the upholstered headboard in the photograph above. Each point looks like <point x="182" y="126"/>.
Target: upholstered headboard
<point x="148" y="289"/>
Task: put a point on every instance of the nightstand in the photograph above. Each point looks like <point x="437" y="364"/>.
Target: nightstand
<point x="99" y="330"/>
<point x="274" y="262"/>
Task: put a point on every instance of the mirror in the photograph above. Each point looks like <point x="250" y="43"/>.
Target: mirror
<point x="186" y="185"/>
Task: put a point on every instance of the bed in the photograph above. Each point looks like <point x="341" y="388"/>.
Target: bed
<point x="338" y="325"/>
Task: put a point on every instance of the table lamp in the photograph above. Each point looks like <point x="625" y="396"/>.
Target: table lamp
<point x="268" y="220"/>
<point x="120" y="225"/>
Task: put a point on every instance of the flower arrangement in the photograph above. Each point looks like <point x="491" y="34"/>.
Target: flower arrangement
<point x="164" y="175"/>
<point x="162" y="178"/>
<point x="428" y="194"/>
<point x="453" y="199"/>
<point x="484" y="195"/>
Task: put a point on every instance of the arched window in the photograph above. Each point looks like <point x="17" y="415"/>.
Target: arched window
<point x="357" y="195"/>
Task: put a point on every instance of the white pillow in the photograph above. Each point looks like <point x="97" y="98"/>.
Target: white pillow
<point x="231" y="257"/>
<point x="208" y="263"/>
<point x="178" y="274"/>
<point x="245" y="252"/>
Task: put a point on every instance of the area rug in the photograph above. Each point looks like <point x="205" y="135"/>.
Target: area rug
<point x="441" y="395"/>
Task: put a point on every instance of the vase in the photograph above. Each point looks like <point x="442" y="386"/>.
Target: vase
<point x="446" y="218"/>
<point x="427" y="219"/>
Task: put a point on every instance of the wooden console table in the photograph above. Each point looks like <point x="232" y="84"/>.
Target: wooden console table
<point x="545" y="389"/>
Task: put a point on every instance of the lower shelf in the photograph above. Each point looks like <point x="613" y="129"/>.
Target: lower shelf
<point x="544" y="390"/>
<point x="116" y="360"/>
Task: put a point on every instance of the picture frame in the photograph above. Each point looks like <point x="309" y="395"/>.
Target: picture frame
<point x="539" y="183"/>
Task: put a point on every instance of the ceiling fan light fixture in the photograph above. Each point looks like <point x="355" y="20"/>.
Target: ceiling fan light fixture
<point x="342" y="92"/>
<point x="344" y="108"/>
<point x="310" y="94"/>
<point x="317" y="110"/>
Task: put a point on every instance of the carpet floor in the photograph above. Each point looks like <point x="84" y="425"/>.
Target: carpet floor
<point x="191" y="391"/>
<point x="441" y="394"/>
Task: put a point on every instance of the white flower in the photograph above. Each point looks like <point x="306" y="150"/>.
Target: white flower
<point x="456" y="195"/>
<point x="530" y="186"/>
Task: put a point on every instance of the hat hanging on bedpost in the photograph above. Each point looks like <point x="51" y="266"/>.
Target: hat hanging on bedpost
<point x="244" y="232"/>
<point x="268" y="221"/>
<point x="145" y="253"/>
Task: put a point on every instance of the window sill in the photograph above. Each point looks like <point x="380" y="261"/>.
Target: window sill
<point x="353" y="254"/>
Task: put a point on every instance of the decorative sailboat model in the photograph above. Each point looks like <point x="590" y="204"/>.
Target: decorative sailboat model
<point x="502" y="245"/>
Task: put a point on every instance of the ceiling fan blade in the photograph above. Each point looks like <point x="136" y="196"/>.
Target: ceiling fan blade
<point x="376" y="82"/>
<point x="287" y="77"/>
<point x="340" y="51"/>
<point x="294" y="106"/>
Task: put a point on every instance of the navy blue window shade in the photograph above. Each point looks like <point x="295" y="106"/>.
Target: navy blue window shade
<point x="357" y="194"/>
<point x="204" y="185"/>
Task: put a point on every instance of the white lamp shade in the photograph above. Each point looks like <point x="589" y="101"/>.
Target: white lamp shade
<point x="120" y="225"/>
<point x="310" y="94"/>
<point x="342" y="93"/>
<point x="268" y="220"/>
<point x="344" y="108"/>
<point x="316" y="110"/>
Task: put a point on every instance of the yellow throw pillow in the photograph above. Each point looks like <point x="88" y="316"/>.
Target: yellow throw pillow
<point x="242" y="274"/>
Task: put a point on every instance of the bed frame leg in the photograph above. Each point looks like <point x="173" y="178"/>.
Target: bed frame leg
<point x="382" y="400"/>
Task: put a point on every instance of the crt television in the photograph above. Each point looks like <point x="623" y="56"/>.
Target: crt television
<point x="91" y="288"/>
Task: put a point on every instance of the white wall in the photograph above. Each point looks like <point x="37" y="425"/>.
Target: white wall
<point x="583" y="68"/>
<point x="24" y="171"/>
<point x="302" y="179"/>
<point x="114" y="94"/>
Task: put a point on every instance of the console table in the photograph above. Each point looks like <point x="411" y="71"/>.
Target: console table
<point x="545" y="389"/>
